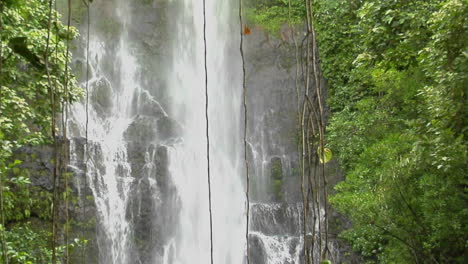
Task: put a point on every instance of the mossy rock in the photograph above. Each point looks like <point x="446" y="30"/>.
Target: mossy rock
<point x="276" y="176"/>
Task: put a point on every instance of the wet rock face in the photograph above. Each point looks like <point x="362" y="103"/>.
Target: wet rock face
<point x="276" y="219"/>
<point x="145" y="104"/>
<point x="101" y="96"/>
<point x="152" y="199"/>
<point x="142" y="129"/>
<point x="150" y="123"/>
<point x="275" y="232"/>
<point x="151" y="196"/>
<point x="149" y="129"/>
<point x="168" y="129"/>
<point x="151" y="202"/>
<point x="256" y="250"/>
<point x="272" y="117"/>
<point x="80" y="70"/>
<point x="38" y="162"/>
<point x="143" y="208"/>
<point x="151" y="208"/>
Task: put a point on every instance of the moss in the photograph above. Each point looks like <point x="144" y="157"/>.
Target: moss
<point x="276" y="169"/>
<point x="276" y="174"/>
<point x="277" y="186"/>
<point x="89" y="198"/>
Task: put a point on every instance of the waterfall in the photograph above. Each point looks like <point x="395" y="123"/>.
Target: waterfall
<point x="146" y="154"/>
<point x="113" y="85"/>
<point x="188" y="159"/>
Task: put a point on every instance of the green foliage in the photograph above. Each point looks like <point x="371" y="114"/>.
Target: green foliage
<point x="277" y="179"/>
<point x="28" y="246"/>
<point x="25" y="94"/>
<point x="26" y="112"/>
<point x="396" y="72"/>
<point x="272" y="15"/>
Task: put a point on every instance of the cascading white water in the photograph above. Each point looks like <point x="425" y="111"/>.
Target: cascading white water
<point x="188" y="159"/>
<point x="109" y="116"/>
<point x="280" y="249"/>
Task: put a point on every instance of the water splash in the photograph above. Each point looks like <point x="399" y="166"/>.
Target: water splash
<point x="279" y="249"/>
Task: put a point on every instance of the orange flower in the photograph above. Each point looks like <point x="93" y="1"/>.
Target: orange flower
<point x="246" y="30"/>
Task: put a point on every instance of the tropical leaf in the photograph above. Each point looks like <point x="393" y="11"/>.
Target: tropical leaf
<point x="326" y="157"/>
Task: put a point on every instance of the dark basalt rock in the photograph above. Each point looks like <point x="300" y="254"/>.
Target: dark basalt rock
<point x="142" y="129"/>
<point x="257" y="252"/>
<point x="101" y="96"/>
<point x="151" y="129"/>
<point x="80" y="69"/>
<point x="144" y="104"/>
<point x="38" y="163"/>
<point x="276" y="219"/>
<point x="162" y="163"/>
<point x="168" y="128"/>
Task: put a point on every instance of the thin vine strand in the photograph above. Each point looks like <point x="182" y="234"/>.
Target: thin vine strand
<point x="51" y="91"/>
<point x="65" y="150"/>
<point x="305" y="108"/>
<point x="321" y="123"/>
<point x="207" y="132"/>
<point x="246" y="161"/>
<point x="86" y="154"/>
<point x="2" y="214"/>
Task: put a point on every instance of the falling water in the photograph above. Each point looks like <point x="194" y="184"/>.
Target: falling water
<point x="129" y="148"/>
<point x="108" y="117"/>
<point x="188" y="159"/>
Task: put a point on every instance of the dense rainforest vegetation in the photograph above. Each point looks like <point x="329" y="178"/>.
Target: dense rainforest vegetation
<point x="36" y="82"/>
<point x="396" y="73"/>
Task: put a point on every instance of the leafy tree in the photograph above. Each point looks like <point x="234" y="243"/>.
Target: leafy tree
<point x="26" y="107"/>
<point x="396" y="72"/>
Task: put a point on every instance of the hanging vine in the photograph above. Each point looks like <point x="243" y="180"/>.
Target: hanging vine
<point x="65" y="144"/>
<point x="52" y="92"/>
<point x="2" y="213"/>
<point x="246" y="161"/>
<point x="321" y="123"/>
<point x="313" y="152"/>
<point x="207" y="132"/>
<point x="85" y="153"/>
<point x="303" y="123"/>
<point x="304" y="146"/>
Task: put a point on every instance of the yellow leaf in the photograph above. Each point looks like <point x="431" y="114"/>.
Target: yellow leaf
<point x="326" y="157"/>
